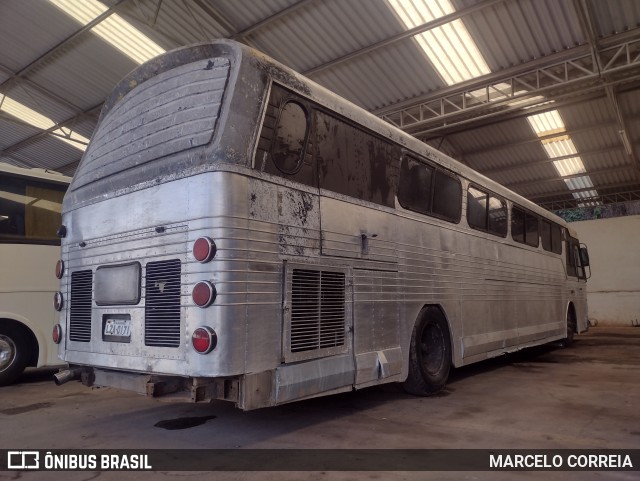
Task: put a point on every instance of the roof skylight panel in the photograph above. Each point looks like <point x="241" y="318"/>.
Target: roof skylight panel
<point x="550" y="123"/>
<point x="449" y="47"/>
<point x="546" y="123"/>
<point x="115" y="30"/>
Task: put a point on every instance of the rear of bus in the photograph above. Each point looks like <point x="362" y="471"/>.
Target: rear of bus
<point x="155" y="252"/>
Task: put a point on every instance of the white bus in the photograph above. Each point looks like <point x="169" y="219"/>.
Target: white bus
<point x="30" y="214"/>
<point x="236" y="231"/>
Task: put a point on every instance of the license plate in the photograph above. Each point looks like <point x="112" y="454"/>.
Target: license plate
<point x="117" y="328"/>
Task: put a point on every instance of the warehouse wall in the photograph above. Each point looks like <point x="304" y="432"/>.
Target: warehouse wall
<point x="614" y="251"/>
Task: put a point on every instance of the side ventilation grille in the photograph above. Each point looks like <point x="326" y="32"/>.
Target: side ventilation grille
<point x="162" y="304"/>
<point x="80" y="306"/>
<point x="317" y="310"/>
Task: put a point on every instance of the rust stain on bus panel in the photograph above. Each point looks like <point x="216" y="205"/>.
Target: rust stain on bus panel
<point x="298" y="222"/>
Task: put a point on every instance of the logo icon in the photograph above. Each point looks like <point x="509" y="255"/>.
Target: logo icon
<point x="23" y="460"/>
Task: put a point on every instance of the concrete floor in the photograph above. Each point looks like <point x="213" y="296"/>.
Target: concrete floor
<point x="581" y="397"/>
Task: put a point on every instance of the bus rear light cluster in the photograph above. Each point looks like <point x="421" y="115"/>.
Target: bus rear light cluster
<point x="204" y="293"/>
<point x="57" y="334"/>
<point x="57" y="301"/>
<point x="204" y="340"/>
<point x="59" y="269"/>
<point x="204" y="249"/>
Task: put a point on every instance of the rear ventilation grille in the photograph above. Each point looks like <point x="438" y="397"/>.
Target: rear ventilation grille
<point x="80" y="306"/>
<point x="162" y="304"/>
<point x="317" y="310"/>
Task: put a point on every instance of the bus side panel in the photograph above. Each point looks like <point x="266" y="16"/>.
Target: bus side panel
<point x="26" y="292"/>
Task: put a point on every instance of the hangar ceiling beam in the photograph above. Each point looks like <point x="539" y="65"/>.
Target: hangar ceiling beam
<point x="528" y="164"/>
<point x="571" y="72"/>
<point x="548" y="195"/>
<point x="615" y="198"/>
<point x="587" y="128"/>
<point x="550" y="180"/>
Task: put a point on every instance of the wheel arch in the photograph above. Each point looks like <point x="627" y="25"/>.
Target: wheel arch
<point x="19" y="326"/>
<point x="417" y="318"/>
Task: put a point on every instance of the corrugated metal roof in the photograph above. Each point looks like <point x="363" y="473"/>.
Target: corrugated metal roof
<point x="245" y="13"/>
<point x="12" y="132"/>
<point x="512" y="33"/>
<point x="27" y="30"/>
<point x="84" y="72"/>
<point x="326" y="30"/>
<point x="373" y="81"/>
<point x="51" y="153"/>
<point x="615" y="16"/>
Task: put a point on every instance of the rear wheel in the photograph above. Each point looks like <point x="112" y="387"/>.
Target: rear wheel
<point x="572" y="328"/>
<point x="13" y="355"/>
<point x="430" y="354"/>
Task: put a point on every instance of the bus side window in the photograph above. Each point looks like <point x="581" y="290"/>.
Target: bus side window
<point x="497" y="213"/>
<point x="292" y="131"/>
<point x="524" y="227"/>
<point x="414" y="189"/>
<point x="578" y="262"/>
<point x="477" y="208"/>
<point x="12" y="208"/>
<point x="486" y="212"/>
<point x="285" y="142"/>
<point x="29" y="211"/>
<point x="517" y="225"/>
<point x="572" y="259"/>
<point x="551" y="236"/>
<point x="353" y="161"/>
<point x="447" y="196"/>
<point x="556" y="239"/>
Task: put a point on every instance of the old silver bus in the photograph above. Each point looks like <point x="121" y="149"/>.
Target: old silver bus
<point x="235" y="231"/>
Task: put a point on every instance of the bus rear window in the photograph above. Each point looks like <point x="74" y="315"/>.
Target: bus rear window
<point x="29" y="211"/>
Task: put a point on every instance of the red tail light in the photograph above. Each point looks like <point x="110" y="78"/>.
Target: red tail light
<point x="203" y="294"/>
<point x="204" y="249"/>
<point x="59" y="269"/>
<point x="57" y="301"/>
<point x="57" y="334"/>
<point x="204" y="340"/>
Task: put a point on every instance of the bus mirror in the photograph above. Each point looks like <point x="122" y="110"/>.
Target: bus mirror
<point x="584" y="256"/>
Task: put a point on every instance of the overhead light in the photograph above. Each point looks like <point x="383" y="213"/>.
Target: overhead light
<point x="30" y="116"/>
<point x="625" y="142"/>
<point x="115" y="30"/>
<point x="449" y="47"/>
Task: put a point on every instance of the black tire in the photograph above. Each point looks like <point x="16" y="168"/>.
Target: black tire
<point x="14" y="354"/>
<point x="572" y="328"/>
<point x="430" y="354"/>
